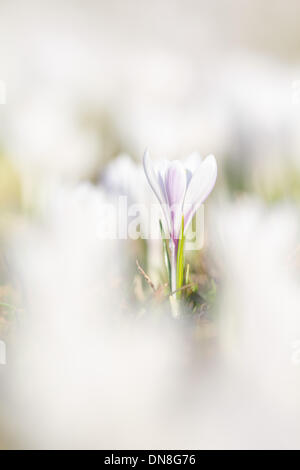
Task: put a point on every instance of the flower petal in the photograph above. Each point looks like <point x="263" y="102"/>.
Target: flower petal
<point x="200" y="186"/>
<point x="157" y="186"/>
<point x="151" y="176"/>
<point x="193" y="162"/>
<point x="175" y="187"/>
<point x="161" y="173"/>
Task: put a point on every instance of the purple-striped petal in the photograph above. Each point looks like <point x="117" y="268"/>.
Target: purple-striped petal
<point x="175" y="187"/>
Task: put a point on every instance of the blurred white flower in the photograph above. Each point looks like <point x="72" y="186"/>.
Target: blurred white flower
<point x="123" y="177"/>
<point x="81" y="353"/>
<point x="259" y="306"/>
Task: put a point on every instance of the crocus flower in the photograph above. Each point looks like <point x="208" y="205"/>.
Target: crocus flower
<point x="180" y="189"/>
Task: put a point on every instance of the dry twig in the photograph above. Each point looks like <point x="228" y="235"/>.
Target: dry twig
<point x="146" y="277"/>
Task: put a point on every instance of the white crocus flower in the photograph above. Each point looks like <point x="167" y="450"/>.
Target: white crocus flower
<point x="180" y="189"/>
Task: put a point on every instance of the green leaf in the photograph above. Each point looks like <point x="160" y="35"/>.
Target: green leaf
<point x="180" y="259"/>
<point x="166" y="253"/>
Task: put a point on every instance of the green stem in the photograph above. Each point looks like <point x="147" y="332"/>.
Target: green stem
<point x="173" y="266"/>
<point x="180" y="259"/>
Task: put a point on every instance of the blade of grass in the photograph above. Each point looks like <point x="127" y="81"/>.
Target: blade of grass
<point x="180" y="259"/>
<point x="187" y="275"/>
<point x="166" y="253"/>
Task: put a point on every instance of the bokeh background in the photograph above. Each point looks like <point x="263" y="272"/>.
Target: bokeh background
<point x="94" y="359"/>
